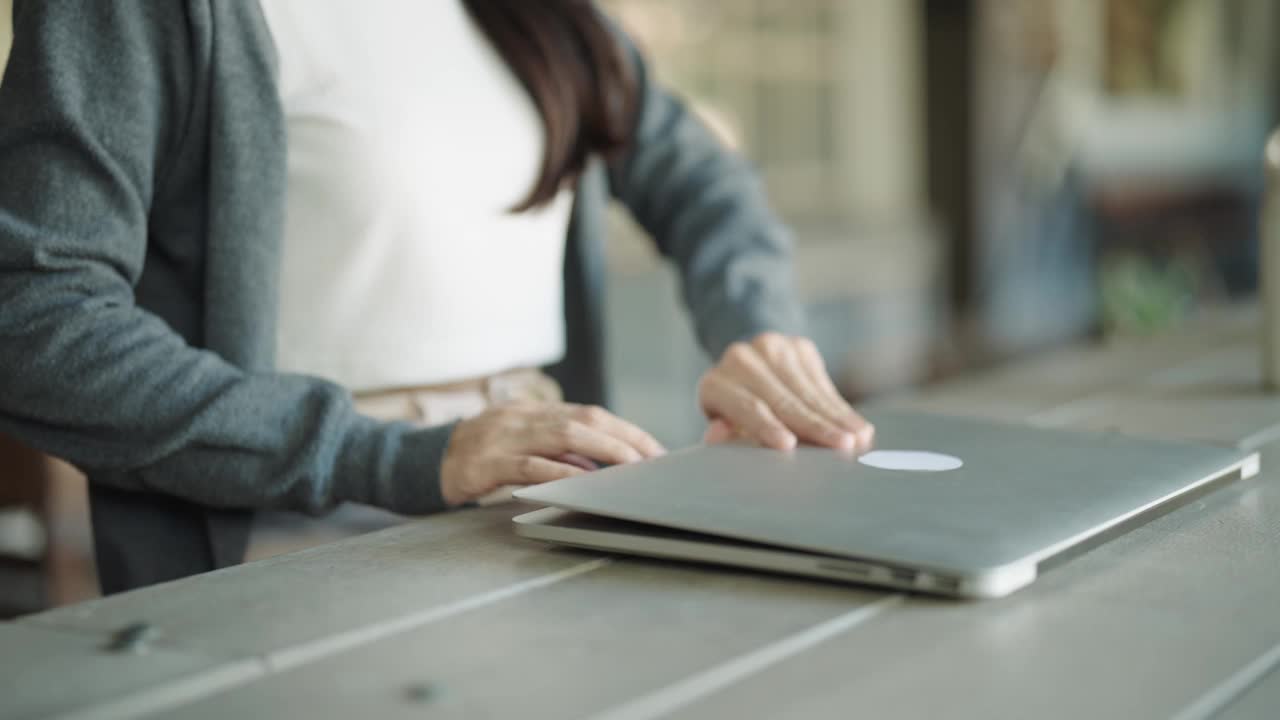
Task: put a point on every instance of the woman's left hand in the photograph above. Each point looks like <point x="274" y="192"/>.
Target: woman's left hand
<point x="775" y="391"/>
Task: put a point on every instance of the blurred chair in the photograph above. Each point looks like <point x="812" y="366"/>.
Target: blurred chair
<point x="22" y="501"/>
<point x="46" y="546"/>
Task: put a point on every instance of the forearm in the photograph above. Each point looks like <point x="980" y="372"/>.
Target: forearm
<point x="707" y="212"/>
<point x="105" y="385"/>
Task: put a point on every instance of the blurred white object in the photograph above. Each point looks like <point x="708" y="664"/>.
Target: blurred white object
<point x="21" y="534"/>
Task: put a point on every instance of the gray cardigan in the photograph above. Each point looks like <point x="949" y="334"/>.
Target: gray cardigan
<point x="142" y="166"/>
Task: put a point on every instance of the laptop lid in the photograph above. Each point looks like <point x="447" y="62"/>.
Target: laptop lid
<point x="997" y="496"/>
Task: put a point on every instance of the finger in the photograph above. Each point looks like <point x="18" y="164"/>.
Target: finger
<point x="838" y="407"/>
<point x="747" y="413"/>
<point x="559" y="435"/>
<point x="785" y="360"/>
<point x="531" y="470"/>
<point x="718" y="431"/>
<point x="578" y="461"/>
<point x="605" y="421"/>
<point x="753" y="371"/>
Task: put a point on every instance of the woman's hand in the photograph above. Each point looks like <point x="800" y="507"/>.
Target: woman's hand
<point x="775" y="391"/>
<point x="529" y="443"/>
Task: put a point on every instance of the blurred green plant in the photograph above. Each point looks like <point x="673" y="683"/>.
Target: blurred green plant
<point x="1141" y="296"/>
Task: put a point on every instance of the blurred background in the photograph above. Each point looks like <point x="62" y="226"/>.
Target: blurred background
<point x="969" y="181"/>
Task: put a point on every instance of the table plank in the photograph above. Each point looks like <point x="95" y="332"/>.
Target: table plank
<point x="1071" y="375"/>
<point x="1215" y="398"/>
<point x="1259" y="702"/>
<point x="565" y="651"/>
<point x="51" y="673"/>
<point x="291" y="601"/>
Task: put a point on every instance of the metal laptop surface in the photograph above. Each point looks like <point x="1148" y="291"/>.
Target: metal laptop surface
<point x="1023" y="497"/>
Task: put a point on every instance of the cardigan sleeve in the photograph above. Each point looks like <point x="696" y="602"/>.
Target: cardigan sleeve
<point x="92" y="105"/>
<point x="706" y="210"/>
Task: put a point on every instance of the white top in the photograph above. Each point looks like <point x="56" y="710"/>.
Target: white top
<point x="409" y="140"/>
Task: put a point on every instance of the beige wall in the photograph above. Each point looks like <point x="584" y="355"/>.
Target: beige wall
<point x="6" y="30"/>
<point x="880" y="107"/>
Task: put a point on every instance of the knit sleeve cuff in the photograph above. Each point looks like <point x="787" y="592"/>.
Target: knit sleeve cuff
<point x="394" y="466"/>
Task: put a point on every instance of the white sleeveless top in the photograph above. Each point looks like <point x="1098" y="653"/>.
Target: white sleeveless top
<point x="409" y="140"/>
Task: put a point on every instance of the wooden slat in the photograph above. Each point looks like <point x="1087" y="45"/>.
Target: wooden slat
<point x="49" y="673"/>
<point x="564" y="651"/>
<point x="1044" y="383"/>
<point x="1244" y="420"/>
<point x="290" y="601"/>
<point x="1215" y="398"/>
<point x="1259" y="702"/>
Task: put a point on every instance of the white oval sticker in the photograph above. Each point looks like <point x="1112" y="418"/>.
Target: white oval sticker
<point x="911" y="460"/>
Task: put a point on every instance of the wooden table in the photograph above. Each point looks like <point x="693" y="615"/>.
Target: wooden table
<point x="454" y="616"/>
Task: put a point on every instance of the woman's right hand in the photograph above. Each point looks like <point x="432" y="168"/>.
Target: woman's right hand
<point x="528" y="443"/>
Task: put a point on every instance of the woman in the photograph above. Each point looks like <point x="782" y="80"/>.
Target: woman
<point x="431" y="236"/>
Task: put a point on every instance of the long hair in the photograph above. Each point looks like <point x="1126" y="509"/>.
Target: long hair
<point x="574" y="69"/>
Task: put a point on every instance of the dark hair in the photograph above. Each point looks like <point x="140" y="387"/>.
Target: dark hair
<point x="574" y="69"/>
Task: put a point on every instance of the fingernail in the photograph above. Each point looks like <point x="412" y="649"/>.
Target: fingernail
<point x="782" y="440"/>
<point x="867" y="435"/>
<point x="843" y="441"/>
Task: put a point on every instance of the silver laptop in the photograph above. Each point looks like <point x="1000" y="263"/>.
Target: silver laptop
<point x="950" y="506"/>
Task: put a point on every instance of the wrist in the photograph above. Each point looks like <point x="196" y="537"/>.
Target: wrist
<point x="450" y="494"/>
